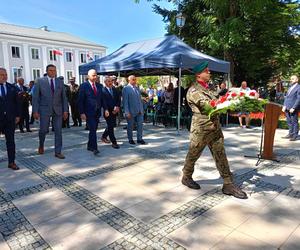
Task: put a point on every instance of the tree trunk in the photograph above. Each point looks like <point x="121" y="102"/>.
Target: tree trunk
<point x="228" y="57"/>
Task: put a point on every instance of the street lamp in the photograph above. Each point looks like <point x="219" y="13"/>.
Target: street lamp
<point x="180" y="21"/>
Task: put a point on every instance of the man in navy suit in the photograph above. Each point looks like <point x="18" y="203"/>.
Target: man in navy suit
<point x="291" y="107"/>
<point x="24" y="102"/>
<point x="90" y="103"/>
<point x="112" y="101"/>
<point x="9" y="116"/>
<point x="134" y="110"/>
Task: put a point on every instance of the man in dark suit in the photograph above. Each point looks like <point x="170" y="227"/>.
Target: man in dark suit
<point x="74" y="91"/>
<point x="90" y="103"/>
<point x="66" y="123"/>
<point x="112" y="101"/>
<point x="291" y="107"/>
<point x="49" y="101"/>
<point x="9" y="116"/>
<point x="23" y="93"/>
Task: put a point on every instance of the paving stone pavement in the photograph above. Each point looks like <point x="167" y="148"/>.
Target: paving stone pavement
<point x="132" y="198"/>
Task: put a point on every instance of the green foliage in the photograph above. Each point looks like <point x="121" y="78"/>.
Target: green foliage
<point x="250" y="105"/>
<point x="260" y="38"/>
<point x="187" y="81"/>
<point x="147" y="81"/>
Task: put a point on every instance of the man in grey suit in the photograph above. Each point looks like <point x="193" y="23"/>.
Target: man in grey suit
<point x="133" y="108"/>
<point x="291" y="107"/>
<point x="49" y="101"/>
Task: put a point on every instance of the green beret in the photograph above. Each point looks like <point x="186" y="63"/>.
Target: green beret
<point x="200" y="67"/>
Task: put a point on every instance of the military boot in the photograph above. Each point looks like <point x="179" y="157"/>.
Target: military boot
<point x="231" y="189"/>
<point x="189" y="182"/>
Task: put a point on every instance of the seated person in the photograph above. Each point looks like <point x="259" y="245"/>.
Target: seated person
<point x="244" y="89"/>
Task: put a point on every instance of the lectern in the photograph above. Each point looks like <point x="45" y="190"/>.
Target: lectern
<point x="271" y="116"/>
<point x="272" y="113"/>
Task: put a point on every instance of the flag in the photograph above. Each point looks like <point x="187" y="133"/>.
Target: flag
<point x="57" y="52"/>
<point x="89" y="56"/>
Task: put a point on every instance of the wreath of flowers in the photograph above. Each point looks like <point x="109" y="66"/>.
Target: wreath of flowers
<point x="235" y="101"/>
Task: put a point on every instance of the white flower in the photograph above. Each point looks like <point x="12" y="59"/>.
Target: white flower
<point x="224" y="104"/>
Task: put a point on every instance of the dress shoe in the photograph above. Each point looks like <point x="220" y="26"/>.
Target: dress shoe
<point x="90" y="149"/>
<point x="141" y="142"/>
<point x="286" y="137"/>
<point x="248" y="127"/>
<point x="293" y="138"/>
<point x="22" y="131"/>
<point x="28" y="130"/>
<point x="231" y="189"/>
<point x="60" y="156"/>
<point x="115" y="145"/>
<point x="41" y="150"/>
<point x="189" y="182"/>
<point x="104" y="140"/>
<point x="131" y="142"/>
<point x="96" y="152"/>
<point x="75" y="125"/>
<point x="13" y="166"/>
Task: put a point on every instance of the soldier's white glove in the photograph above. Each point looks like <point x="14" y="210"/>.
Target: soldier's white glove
<point x="283" y="108"/>
<point x="292" y="110"/>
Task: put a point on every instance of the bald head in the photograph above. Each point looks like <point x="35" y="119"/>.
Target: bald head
<point x="92" y="75"/>
<point x="132" y="80"/>
<point x="294" y="79"/>
<point x="244" y="85"/>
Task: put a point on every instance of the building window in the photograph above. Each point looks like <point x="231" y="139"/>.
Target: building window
<point x="69" y="74"/>
<point x="96" y="56"/>
<point x="82" y="57"/>
<point x="82" y="78"/>
<point x="35" y="53"/>
<point x="15" y="52"/>
<point x="52" y="55"/>
<point x="17" y="72"/>
<point x="69" y="56"/>
<point x="36" y="73"/>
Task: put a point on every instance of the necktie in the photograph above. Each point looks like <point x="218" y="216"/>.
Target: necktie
<point x="94" y="88"/>
<point x="111" y="92"/>
<point x="52" y="85"/>
<point x="3" y="94"/>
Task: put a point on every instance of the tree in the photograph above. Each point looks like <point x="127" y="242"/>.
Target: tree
<point x="147" y="81"/>
<point x="258" y="37"/>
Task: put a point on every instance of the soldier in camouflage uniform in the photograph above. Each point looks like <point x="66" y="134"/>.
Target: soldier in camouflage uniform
<point x="206" y="132"/>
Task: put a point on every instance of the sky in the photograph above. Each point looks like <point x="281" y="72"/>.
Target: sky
<point x="111" y="23"/>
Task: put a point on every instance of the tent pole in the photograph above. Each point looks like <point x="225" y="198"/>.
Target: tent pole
<point x="179" y="98"/>
<point x="228" y="80"/>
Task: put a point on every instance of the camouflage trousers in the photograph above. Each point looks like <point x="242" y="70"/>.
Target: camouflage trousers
<point x="215" y="141"/>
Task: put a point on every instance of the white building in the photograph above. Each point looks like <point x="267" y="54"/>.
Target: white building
<point x="25" y="52"/>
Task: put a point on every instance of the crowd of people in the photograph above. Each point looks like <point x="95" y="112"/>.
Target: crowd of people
<point x="51" y="98"/>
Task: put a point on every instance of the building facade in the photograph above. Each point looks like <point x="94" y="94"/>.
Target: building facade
<point x="25" y="52"/>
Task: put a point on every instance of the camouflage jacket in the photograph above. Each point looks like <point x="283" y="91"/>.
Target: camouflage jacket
<point x="196" y="97"/>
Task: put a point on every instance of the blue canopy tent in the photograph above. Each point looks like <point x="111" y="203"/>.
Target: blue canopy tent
<point x="163" y="56"/>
